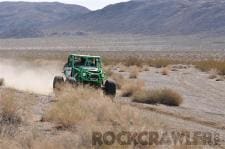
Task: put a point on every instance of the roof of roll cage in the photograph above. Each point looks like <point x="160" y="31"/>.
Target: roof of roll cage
<point x="78" y="55"/>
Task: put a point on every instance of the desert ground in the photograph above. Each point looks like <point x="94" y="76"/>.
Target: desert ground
<point x="32" y="115"/>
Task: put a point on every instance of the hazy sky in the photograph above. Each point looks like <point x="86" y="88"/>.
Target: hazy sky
<point x="91" y="4"/>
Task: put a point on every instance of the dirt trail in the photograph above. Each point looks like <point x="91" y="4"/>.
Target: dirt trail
<point x="201" y="95"/>
<point x="204" y="98"/>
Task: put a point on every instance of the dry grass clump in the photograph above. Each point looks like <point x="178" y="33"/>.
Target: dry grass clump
<point x="1" y="81"/>
<point x="85" y="105"/>
<point x="134" y="70"/>
<point x="10" y="116"/>
<point x="140" y="61"/>
<point x="213" y="74"/>
<point x="145" y="68"/>
<point x="133" y="61"/>
<point x="178" y="66"/>
<point x="119" y="79"/>
<point x="108" y="70"/>
<point x="78" y="112"/>
<point x="9" y="109"/>
<point x="133" y="75"/>
<point x="122" y="68"/>
<point x="30" y="141"/>
<point x="208" y="65"/>
<point x="70" y="109"/>
<point x="162" y="96"/>
<point x="220" y="79"/>
<point x="131" y="87"/>
<point x="165" y="71"/>
<point x="162" y="62"/>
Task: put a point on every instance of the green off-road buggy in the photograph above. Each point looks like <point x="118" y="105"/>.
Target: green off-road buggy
<point x="85" y="69"/>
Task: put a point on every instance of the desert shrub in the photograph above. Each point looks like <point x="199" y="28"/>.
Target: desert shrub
<point x="163" y="96"/>
<point x="162" y="62"/>
<point x="69" y="109"/>
<point x="110" y="61"/>
<point x="122" y="68"/>
<point x="170" y="97"/>
<point x="10" y="118"/>
<point x="134" y="70"/>
<point x="85" y="105"/>
<point x="220" y="79"/>
<point x="165" y="71"/>
<point x="145" y="68"/>
<point x="212" y="76"/>
<point x="133" y="61"/>
<point x="208" y="65"/>
<point x="131" y="87"/>
<point x="119" y="79"/>
<point x="108" y="71"/>
<point x="133" y="75"/>
<point x="9" y="108"/>
<point x="144" y="96"/>
<point x="137" y="60"/>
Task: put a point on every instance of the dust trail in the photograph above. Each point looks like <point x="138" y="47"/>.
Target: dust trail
<point x="36" y="76"/>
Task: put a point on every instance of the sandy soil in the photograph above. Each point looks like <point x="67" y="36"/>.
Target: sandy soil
<point x="204" y="99"/>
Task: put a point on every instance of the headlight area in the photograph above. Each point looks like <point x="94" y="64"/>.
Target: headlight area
<point x="84" y="74"/>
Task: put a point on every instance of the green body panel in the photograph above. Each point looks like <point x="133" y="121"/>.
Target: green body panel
<point x="85" y="69"/>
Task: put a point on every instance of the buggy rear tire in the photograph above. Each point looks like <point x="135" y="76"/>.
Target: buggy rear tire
<point x="58" y="82"/>
<point x="110" y="88"/>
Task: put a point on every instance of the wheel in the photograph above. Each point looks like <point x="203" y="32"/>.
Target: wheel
<point x="72" y="82"/>
<point x="110" y="88"/>
<point x="58" y="82"/>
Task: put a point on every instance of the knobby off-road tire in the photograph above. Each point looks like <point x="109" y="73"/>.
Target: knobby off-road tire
<point x="58" y="82"/>
<point x="110" y="88"/>
<point x="71" y="82"/>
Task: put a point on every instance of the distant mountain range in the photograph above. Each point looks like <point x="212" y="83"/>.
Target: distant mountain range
<point x="23" y="19"/>
<point x="149" y="17"/>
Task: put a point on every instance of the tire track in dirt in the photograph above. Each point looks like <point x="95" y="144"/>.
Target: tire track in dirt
<point x="202" y="88"/>
<point x="209" y="95"/>
<point x="186" y="118"/>
<point x="203" y="99"/>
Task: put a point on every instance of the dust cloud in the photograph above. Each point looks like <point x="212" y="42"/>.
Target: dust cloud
<point x="36" y="76"/>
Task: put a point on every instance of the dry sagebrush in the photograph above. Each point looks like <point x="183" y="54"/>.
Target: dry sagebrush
<point x="165" y="71"/>
<point x="84" y="104"/>
<point x="134" y="70"/>
<point x="208" y="65"/>
<point x="119" y="79"/>
<point x="10" y="118"/>
<point x="9" y="109"/>
<point x="131" y="87"/>
<point x="162" y="96"/>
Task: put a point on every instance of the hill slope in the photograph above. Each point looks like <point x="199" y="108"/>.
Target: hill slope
<point x="23" y="19"/>
<point x="150" y="17"/>
<point x="157" y="17"/>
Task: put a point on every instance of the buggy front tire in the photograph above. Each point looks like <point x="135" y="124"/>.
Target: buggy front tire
<point x="110" y="88"/>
